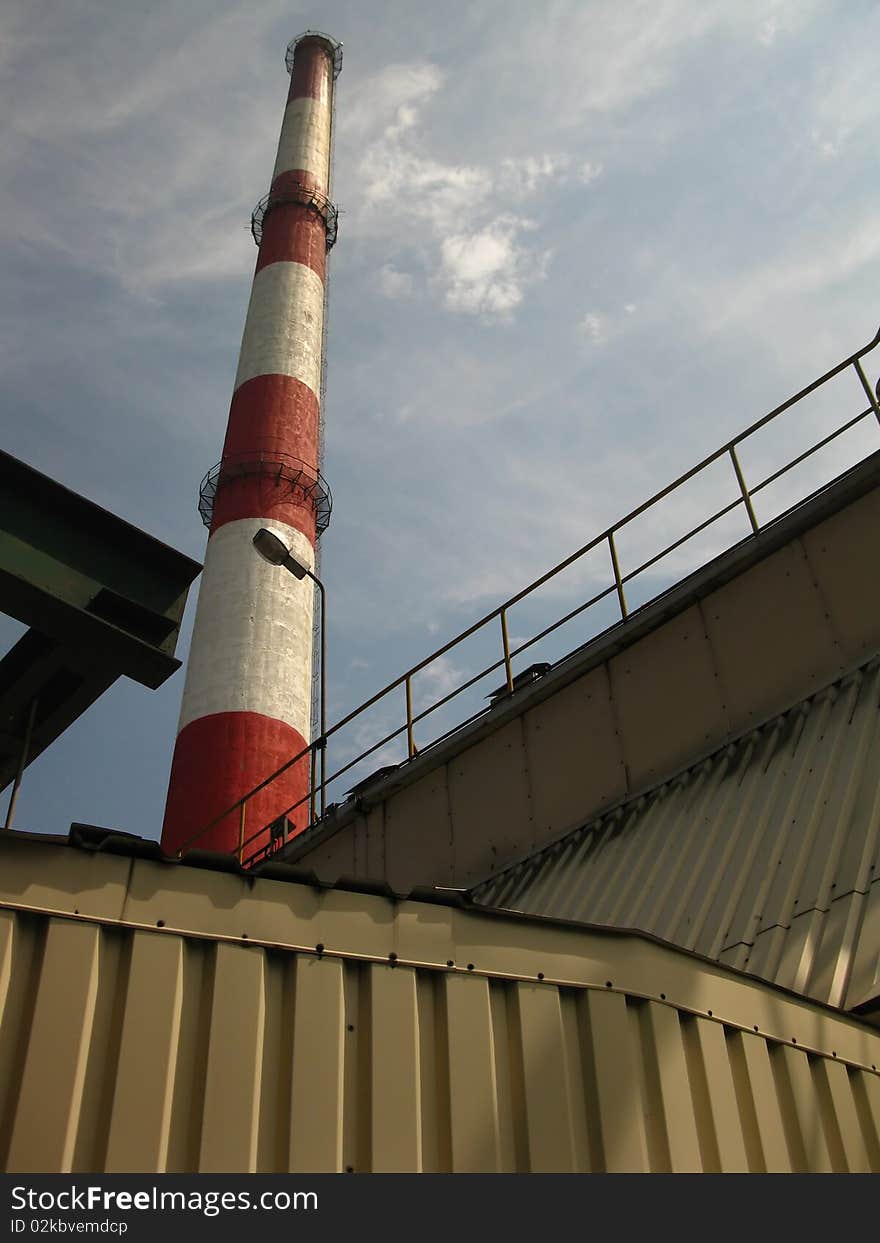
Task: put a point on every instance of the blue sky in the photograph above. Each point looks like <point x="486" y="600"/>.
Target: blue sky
<point x="581" y="244"/>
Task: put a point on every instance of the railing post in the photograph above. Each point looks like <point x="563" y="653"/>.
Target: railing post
<point x="747" y="500"/>
<point x="872" y="397"/>
<point x="22" y="763"/>
<point x="618" y="581"/>
<point x="313" y="769"/>
<point x="410" y="741"/>
<point x="508" y="672"/>
<point x="241" y="819"/>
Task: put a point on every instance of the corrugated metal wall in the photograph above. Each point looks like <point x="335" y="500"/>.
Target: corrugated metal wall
<point x="764" y="857"/>
<point x="184" y="1047"/>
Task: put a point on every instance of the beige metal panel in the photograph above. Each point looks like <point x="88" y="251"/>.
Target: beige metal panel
<point x="575" y="756"/>
<point x="836" y="955"/>
<point x="573" y="1050"/>
<point x="617" y="1121"/>
<point x="788" y="894"/>
<point x="718" y="832"/>
<point x="7" y="938"/>
<point x="669" y="1087"/>
<point x="396" y="1139"/>
<point x="490" y="804"/>
<point x="338" y="858"/>
<point x="624" y="866"/>
<point x="512" y="1137"/>
<point x="50" y="1098"/>
<point x="140" y="1121"/>
<point x="346" y="919"/>
<point x="797" y="948"/>
<point x="864" y="981"/>
<point x="840" y="866"/>
<point x="866" y="1093"/>
<point x="545" y="1080"/>
<point x="157" y="888"/>
<point x="93" y="886"/>
<point x="233" y="1080"/>
<point x="804" y="1130"/>
<point x="760" y="788"/>
<point x="674" y="665"/>
<point x="359" y="840"/>
<point x="318" y="1062"/>
<point x="770" y="637"/>
<point x="374" y="841"/>
<point x="418" y="834"/>
<point x="671" y="878"/>
<point x="719" y="1126"/>
<point x="473" y="1087"/>
<point x="842" y="1117"/>
<point x="836" y="551"/>
<point x="763" y="1125"/>
<point x="435" y="1100"/>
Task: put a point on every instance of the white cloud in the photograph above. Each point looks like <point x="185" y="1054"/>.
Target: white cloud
<point x="388" y="100"/>
<point x="527" y="173"/>
<point x="394" y="283"/>
<point x="589" y="171"/>
<point x="485" y="272"/>
<point x="435" y="681"/>
<point x="768" y="30"/>
<point x="475" y="251"/>
<point x="593" y="326"/>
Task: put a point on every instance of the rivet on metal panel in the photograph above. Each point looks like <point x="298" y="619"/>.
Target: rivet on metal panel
<point x="794" y="1040"/>
<point x="540" y="975"/>
<point x="755" y="1027"/>
<point x="662" y="996"/>
<point x="160" y="923"/>
<point x="470" y="966"/>
<point x="709" y="1012"/>
<point x="449" y="962"/>
<point x="349" y="1027"/>
<point x="319" y="948"/>
<point x="608" y="984"/>
<point x="834" y="1053"/>
<point x="349" y="1169"/>
<point x="392" y="958"/>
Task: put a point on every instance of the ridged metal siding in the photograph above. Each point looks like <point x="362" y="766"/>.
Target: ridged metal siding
<point x="129" y="1046"/>
<point x="764" y="856"/>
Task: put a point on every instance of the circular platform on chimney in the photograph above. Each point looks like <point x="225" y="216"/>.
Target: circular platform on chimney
<point x="306" y="196"/>
<point x="296" y="478"/>
<point x="333" y="46"/>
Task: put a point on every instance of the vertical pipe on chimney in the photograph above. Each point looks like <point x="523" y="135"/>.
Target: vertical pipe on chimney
<point x="247" y="697"/>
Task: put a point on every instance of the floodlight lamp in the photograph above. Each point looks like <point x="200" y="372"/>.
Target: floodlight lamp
<point x="276" y="552"/>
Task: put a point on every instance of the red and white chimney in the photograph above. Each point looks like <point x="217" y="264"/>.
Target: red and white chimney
<point x="247" y="697"/>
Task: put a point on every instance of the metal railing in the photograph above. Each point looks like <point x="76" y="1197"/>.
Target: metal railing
<point x="316" y="795"/>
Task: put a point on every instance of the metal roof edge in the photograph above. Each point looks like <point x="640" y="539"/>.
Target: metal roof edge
<point x="557" y="952"/>
<point x="137" y="849"/>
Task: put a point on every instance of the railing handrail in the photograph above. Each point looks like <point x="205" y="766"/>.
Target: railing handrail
<point x="606" y="536"/>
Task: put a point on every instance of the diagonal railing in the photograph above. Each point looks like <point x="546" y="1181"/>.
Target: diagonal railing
<point x="249" y="852"/>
